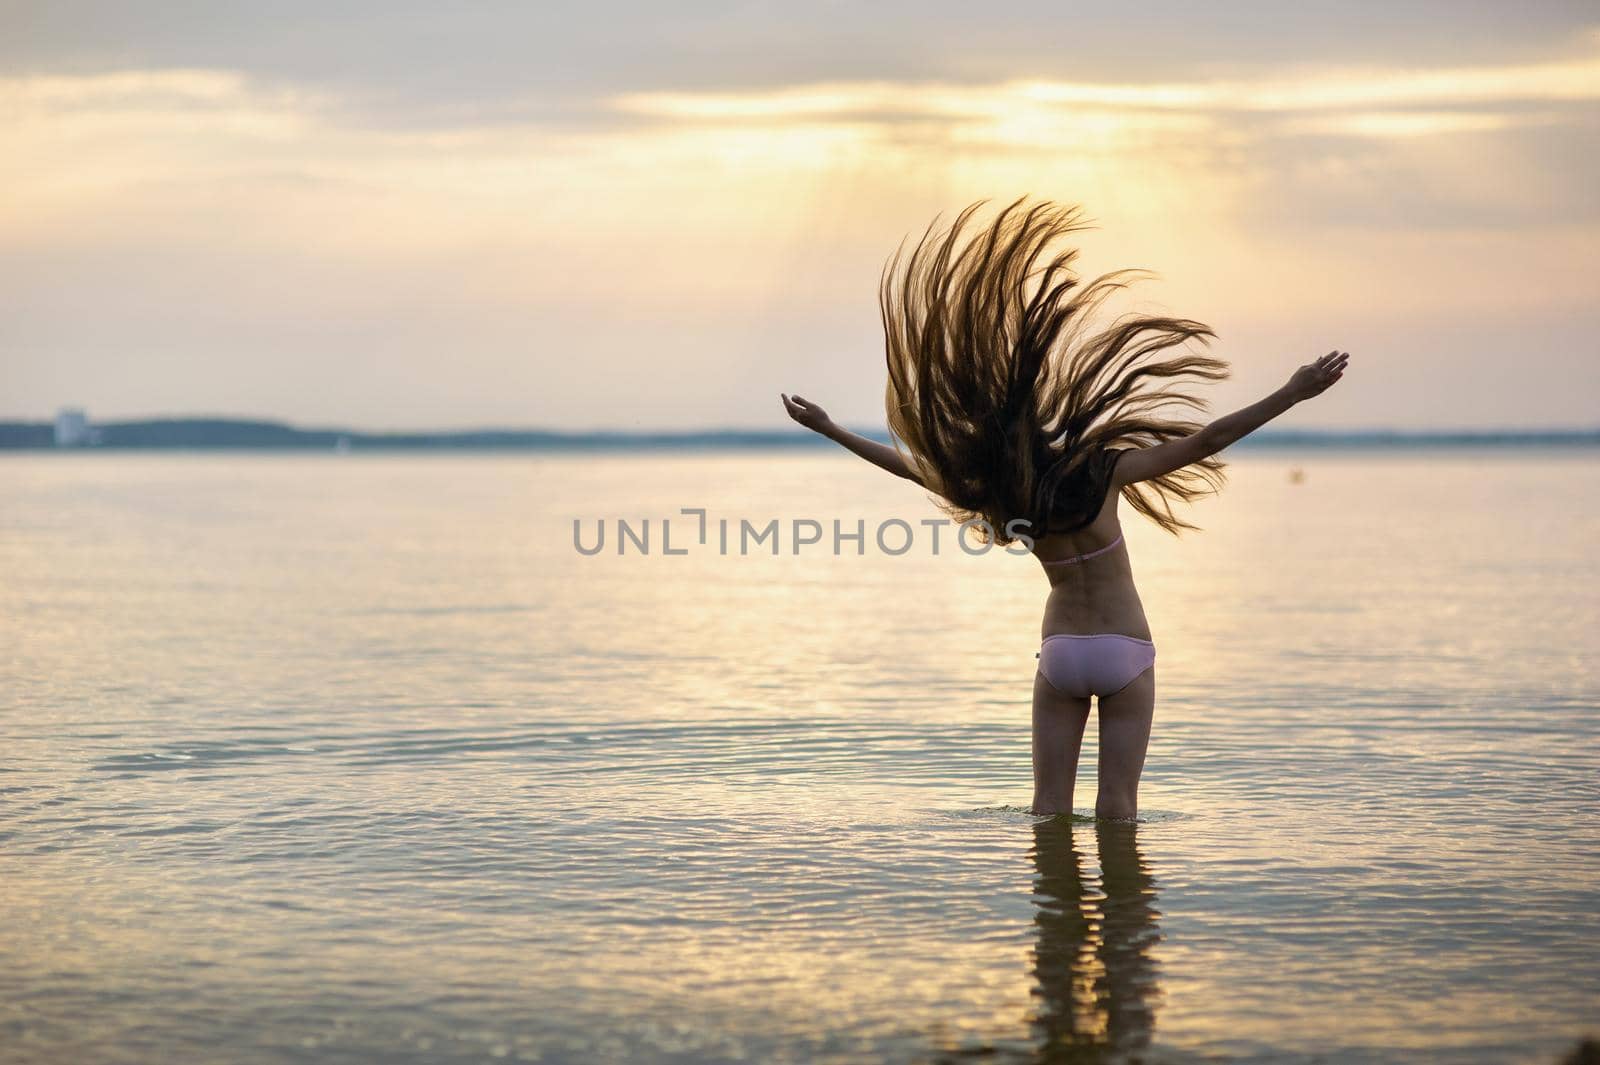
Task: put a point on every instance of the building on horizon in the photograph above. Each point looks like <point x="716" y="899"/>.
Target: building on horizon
<point x="72" y="428"/>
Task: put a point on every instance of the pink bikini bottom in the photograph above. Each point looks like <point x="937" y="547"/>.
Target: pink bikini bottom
<point x="1101" y="664"/>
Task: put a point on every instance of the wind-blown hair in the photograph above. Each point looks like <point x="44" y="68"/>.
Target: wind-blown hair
<point x="1005" y="405"/>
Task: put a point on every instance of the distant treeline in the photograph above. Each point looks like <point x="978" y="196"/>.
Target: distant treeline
<point x="206" y="433"/>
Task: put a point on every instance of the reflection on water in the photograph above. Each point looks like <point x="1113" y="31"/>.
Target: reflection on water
<point x="1095" y="977"/>
<point x="1097" y="980"/>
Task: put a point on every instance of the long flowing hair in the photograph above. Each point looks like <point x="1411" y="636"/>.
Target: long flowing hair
<point x="1003" y="398"/>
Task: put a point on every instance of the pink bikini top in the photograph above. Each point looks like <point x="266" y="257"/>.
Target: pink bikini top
<point x="1080" y="558"/>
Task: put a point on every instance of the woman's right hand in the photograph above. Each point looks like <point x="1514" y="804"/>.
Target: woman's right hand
<point x="1315" y="378"/>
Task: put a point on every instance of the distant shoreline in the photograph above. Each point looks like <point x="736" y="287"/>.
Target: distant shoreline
<point x="237" y="434"/>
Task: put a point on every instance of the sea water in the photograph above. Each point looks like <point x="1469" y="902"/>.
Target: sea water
<point x="358" y="758"/>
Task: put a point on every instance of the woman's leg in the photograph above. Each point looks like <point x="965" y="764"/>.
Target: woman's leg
<point x="1058" y="722"/>
<point x="1124" y="737"/>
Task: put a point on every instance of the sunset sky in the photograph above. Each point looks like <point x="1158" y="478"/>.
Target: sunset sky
<point x="609" y="215"/>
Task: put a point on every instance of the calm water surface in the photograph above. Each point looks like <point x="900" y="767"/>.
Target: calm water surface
<point x="357" y="759"/>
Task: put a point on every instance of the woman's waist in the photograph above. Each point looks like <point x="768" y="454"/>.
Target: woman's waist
<point x="1093" y="637"/>
<point x="1077" y="619"/>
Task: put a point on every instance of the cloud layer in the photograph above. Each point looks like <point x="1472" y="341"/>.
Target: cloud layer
<point x="269" y="236"/>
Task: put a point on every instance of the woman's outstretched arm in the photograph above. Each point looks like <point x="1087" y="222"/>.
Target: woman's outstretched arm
<point x="1308" y="381"/>
<point x="816" y="419"/>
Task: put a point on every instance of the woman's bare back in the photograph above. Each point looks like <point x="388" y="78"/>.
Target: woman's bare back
<point x="1094" y="595"/>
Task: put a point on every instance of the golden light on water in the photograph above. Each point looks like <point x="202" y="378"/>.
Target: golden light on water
<point x="397" y="765"/>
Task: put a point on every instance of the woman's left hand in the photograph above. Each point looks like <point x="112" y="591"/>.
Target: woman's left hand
<point x="806" y="413"/>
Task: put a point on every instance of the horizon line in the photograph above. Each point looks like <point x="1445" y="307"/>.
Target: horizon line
<point x="780" y="430"/>
<point x="73" y="431"/>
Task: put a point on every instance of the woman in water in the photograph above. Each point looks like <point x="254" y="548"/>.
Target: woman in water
<point x="1004" y="406"/>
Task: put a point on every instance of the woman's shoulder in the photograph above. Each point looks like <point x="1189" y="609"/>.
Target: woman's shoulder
<point x="1109" y="458"/>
